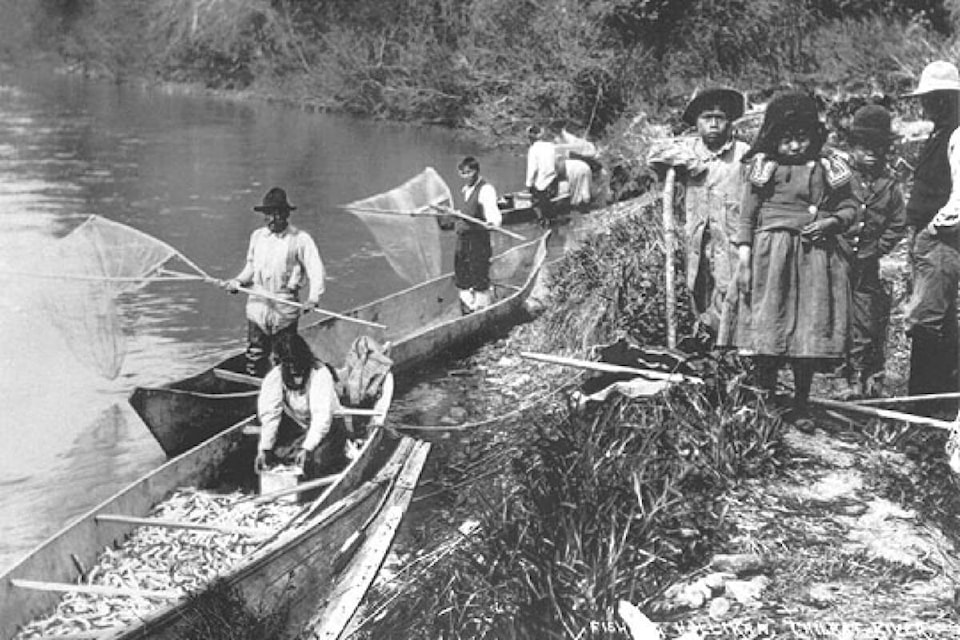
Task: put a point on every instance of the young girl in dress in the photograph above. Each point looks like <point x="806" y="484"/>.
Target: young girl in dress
<point x="793" y="272"/>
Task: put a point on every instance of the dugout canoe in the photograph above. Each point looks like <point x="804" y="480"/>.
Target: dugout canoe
<point x="314" y="569"/>
<point x="423" y="322"/>
<point x="517" y="207"/>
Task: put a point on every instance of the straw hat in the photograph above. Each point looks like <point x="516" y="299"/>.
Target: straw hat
<point x="939" y="75"/>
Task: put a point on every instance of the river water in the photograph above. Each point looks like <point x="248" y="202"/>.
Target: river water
<point x="187" y="170"/>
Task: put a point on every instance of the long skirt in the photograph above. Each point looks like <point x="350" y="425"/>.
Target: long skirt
<point x="799" y="304"/>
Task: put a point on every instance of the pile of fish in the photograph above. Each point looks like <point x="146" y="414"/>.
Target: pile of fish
<point x="160" y="559"/>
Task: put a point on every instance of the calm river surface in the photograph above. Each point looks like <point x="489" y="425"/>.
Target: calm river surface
<point x="187" y="170"/>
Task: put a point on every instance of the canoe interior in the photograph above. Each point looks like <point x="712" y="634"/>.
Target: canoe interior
<point x="224" y="460"/>
<point x="423" y="322"/>
<point x="513" y="214"/>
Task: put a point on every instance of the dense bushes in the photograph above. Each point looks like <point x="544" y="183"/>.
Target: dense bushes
<point x="495" y="65"/>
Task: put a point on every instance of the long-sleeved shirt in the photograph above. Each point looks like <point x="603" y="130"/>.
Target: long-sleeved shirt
<point x="487" y="198"/>
<point x="789" y="197"/>
<point x="312" y="406"/>
<point x="278" y="264"/>
<point x="884" y="218"/>
<point x="948" y="216"/>
<point x="541" y="165"/>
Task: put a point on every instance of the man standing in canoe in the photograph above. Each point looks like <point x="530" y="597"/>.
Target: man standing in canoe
<point x="280" y="259"/>
<point x="471" y="260"/>
<point x="296" y="405"/>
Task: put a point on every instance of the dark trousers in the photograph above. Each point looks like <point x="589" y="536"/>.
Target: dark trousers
<point x="933" y="369"/>
<point x="932" y="321"/>
<point x="543" y="200"/>
<point x="260" y="346"/>
<point x="327" y="458"/>
<point x="471" y="260"/>
<point x="869" y="318"/>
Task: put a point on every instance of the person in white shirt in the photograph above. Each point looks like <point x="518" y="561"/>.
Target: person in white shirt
<point x="296" y="405"/>
<point x="471" y="260"/>
<point x="543" y="182"/>
<point x="280" y="260"/>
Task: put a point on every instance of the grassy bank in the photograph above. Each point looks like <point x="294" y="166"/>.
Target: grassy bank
<point x="541" y="522"/>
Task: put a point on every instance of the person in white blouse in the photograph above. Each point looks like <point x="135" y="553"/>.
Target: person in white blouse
<point x="471" y="260"/>
<point x="281" y="259"/>
<point x="543" y="182"/>
<point x="296" y="406"/>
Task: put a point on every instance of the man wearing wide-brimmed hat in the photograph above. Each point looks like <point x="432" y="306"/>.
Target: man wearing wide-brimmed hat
<point x="280" y="260"/>
<point x="882" y="227"/>
<point x="933" y="211"/>
<point x="712" y="203"/>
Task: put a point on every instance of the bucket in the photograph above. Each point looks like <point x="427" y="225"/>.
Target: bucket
<point x="278" y="478"/>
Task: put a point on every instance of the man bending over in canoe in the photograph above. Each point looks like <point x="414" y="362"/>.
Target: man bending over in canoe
<point x="471" y="260"/>
<point x="296" y="405"/>
<point x="280" y="257"/>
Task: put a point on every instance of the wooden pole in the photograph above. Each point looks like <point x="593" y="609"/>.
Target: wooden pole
<point x="275" y="298"/>
<point x="300" y="488"/>
<point x="65" y="587"/>
<point x="180" y="524"/>
<point x="887" y="414"/>
<point x="606" y="367"/>
<point x="438" y="210"/>
<point x="670" y="242"/>
<point x="953" y="395"/>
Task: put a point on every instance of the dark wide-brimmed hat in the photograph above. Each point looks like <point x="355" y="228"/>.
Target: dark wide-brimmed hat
<point x="728" y="101"/>
<point x="275" y="200"/>
<point x="871" y="125"/>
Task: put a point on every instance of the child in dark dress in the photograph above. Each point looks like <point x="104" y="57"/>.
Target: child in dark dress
<point x="793" y="273"/>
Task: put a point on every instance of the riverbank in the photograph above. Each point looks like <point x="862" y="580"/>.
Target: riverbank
<point x="845" y="532"/>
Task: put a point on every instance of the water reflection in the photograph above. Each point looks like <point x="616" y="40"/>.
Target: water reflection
<point x="186" y="170"/>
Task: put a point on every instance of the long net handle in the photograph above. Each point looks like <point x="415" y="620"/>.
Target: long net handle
<point x="275" y="298"/>
<point x="443" y="210"/>
<point x="439" y="210"/>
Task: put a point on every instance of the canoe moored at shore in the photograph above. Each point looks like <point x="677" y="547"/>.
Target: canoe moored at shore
<point x="422" y="322"/>
<point x="517" y="207"/>
<point x="287" y="570"/>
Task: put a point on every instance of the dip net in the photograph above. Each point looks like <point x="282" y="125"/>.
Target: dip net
<point x="403" y="222"/>
<point x="95" y="264"/>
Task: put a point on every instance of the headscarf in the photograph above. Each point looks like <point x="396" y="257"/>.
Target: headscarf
<point x="789" y="111"/>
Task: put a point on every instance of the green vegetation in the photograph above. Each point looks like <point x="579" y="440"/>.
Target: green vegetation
<point x="492" y="66"/>
<point x="580" y="508"/>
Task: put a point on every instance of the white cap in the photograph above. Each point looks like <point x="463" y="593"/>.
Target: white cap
<point x="939" y="75"/>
